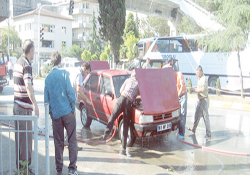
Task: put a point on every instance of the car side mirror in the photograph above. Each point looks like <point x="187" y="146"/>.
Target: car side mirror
<point x="109" y="94"/>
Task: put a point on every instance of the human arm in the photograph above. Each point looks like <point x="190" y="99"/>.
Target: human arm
<point x="70" y="92"/>
<point x="82" y="95"/>
<point x="30" y="92"/>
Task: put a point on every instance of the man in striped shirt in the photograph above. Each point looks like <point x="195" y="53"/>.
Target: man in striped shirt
<point x="24" y="101"/>
<point x="128" y="91"/>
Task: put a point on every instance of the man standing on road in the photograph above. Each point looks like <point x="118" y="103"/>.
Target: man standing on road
<point x="147" y="65"/>
<point x="169" y="63"/>
<point x="129" y="90"/>
<point x="59" y="94"/>
<point x="24" y="103"/>
<point x="202" y="106"/>
<point x="182" y="94"/>
<point x="77" y="82"/>
<point x="10" y="68"/>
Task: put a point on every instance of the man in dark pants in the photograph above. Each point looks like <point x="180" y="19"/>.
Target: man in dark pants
<point x="24" y="102"/>
<point x="128" y="91"/>
<point x="202" y="106"/>
<point x="60" y="96"/>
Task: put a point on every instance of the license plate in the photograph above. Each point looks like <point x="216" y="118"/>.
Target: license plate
<point x="164" y="127"/>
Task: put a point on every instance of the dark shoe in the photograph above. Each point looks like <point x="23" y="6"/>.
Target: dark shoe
<point x="190" y="129"/>
<point x="72" y="172"/>
<point x="106" y="134"/>
<point x="207" y="136"/>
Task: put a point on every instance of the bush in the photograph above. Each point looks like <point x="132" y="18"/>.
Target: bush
<point x="189" y="86"/>
<point x="46" y="70"/>
<point x="218" y="86"/>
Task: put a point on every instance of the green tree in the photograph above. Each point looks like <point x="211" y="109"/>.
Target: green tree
<point x="112" y="23"/>
<point x="131" y="26"/>
<point x="105" y="55"/>
<point x="188" y="26"/>
<point x="64" y="50"/>
<point x="75" y="51"/>
<point x="129" y="45"/>
<point x="14" y="40"/>
<point x="86" y="55"/>
<point x="234" y="16"/>
<point x="155" y="26"/>
<point x="94" y="57"/>
<point x="95" y="44"/>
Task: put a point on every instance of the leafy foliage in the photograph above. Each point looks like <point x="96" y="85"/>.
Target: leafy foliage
<point x="112" y="23"/>
<point x="188" y="27"/>
<point x="63" y="50"/>
<point x="86" y="55"/>
<point x="94" y="57"/>
<point x="105" y="54"/>
<point x="23" y="169"/>
<point x="14" y="40"/>
<point x="95" y="43"/>
<point x="154" y="26"/>
<point x="131" y="26"/>
<point x="75" y="51"/>
<point x="129" y="45"/>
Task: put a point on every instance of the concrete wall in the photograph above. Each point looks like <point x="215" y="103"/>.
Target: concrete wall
<point x="4" y="9"/>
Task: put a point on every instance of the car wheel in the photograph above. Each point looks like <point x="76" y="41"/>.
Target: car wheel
<point x="131" y="137"/>
<point x="85" y="119"/>
<point x="1" y="89"/>
<point x="212" y="83"/>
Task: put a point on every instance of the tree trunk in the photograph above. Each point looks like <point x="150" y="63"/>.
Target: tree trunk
<point x="241" y="78"/>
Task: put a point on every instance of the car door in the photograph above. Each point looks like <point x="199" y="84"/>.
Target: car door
<point x="107" y="100"/>
<point x="91" y="91"/>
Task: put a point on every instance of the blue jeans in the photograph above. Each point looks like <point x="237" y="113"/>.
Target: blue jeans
<point x="183" y="113"/>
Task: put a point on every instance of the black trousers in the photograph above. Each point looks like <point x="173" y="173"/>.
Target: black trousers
<point x="69" y="123"/>
<point x="123" y="105"/>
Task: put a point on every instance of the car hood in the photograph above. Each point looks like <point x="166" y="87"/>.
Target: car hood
<point x="99" y="65"/>
<point x="158" y="90"/>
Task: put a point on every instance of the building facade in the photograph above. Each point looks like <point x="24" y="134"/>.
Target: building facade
<point x="82" y="23"/>
<point x="57" y="30"/>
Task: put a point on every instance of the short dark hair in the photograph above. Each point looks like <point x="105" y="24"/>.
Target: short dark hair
<point x="27" y="45"/>
<point x="199" y="68"/>
<point x="170" y="59"/>
<point x="55" y="58"/>
<point x="86" y="65"/>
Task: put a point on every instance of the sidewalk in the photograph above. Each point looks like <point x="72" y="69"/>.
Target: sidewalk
<point x="230" y="133"/>
<point x="224" y="101"/>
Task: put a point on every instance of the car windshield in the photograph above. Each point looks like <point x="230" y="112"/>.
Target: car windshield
<point x="118" y="81"/>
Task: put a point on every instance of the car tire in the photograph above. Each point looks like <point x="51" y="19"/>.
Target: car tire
<point x="131" y="136"/>
<point x="85" y="119"/>
<point x="212" y="83"/>
<point x="1" y="89"/>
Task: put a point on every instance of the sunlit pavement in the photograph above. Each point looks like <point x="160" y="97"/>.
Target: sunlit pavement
<point x="230" y="136"/>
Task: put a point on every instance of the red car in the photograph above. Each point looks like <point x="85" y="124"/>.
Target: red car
<point x="156" y="110"/>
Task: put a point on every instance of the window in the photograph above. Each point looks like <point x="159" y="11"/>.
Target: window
<point x="83" y="33"/>
<point x="92" y="83"/>
<point x="48" y="28"/>
<point x="64" y="30"/>
<point x="48" y="44"/>
<point x="87" y="5"/>
<point x="64" y="44"/>
<point x="28" y="26"/>
<point x="20" y="28"/>
<point x="118" y="81"/>
<point x="75" y="19"/>
<point x="105" y="85"/>
<point x="83" y="5"/>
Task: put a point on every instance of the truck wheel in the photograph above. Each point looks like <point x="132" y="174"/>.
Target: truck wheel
<point x="1" y="89"/>
<point x="85" y="119"/>
<point x="131" y="137"/>
<point x="212" y="83"/>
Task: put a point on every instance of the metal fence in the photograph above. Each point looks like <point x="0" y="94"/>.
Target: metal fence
<point x="8" y="146"/>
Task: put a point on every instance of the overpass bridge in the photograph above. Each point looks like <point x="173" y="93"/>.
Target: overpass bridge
<point x="173" y="10"/>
